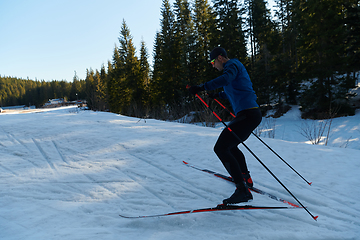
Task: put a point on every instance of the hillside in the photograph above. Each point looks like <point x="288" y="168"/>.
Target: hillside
<point x="68" y="175"/>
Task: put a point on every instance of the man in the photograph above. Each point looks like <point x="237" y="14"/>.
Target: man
<point x="238" y="90"/>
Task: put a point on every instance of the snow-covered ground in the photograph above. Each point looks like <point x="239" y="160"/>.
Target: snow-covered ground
<point x="68" y="175"/>
<point x="344" y="131"/>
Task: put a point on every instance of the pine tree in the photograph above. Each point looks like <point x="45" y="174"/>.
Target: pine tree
<point x="130" y="87"/>
<point x="100" y="91"/>
<point x="322" y="33"/>
<point x="352" y="40"/>
<point x="145" y="74"/>
<point x="74" y="92"/>
<point x="155" y="94"/>
<point x="264" y="39"/>
<point x="115" y="75"/>
<point x="163" y="74"/>
<point x="184" y="50"/>
<point x="229" y="24"/>
<point x="104" y="90"/>
<point x="125" y="86"/>
<point x="285" y="62"/>
<point x="90" y="89"/>
<point x="204" y="25"/>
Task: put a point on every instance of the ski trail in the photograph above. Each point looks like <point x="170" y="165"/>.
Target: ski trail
<point x="91" y="179"/>
<point x="12" y="138"/>
<point x="146" y="188"/>
<point x="9" y="170"/>
<point x="16" y="141"/>
<point x="12" y="222"/>
<point x="176" y="177"/>
<point x="60" y="154"/>
<point x="51" y="164"/>
<point x="103" y="185"/>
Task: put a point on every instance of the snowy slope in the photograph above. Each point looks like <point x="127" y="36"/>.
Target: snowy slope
<point x="68" y="175"/>
<point x="344" y="131"/>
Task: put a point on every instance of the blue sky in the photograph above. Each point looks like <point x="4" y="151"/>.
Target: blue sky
<point x="50" y="39"/>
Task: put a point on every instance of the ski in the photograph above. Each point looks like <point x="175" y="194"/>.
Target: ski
<point x="253" y="189"/>
<point x="220" y="207"/>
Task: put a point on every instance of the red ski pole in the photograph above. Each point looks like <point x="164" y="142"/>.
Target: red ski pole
<point x="267" y="146"/>
<point x="258" y="159"/>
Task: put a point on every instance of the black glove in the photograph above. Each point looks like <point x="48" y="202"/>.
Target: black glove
<point x="195" y="89"/>
<point x="213" y="95"/>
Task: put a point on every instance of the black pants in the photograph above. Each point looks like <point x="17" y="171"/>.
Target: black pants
<point x="226" y="146"/>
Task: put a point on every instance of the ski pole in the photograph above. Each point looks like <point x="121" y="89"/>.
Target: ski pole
<point x="258" y="159"/>
<point x="267" y="145"/>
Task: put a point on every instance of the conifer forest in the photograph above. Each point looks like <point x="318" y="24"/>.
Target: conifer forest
<point x="304" y="53"/>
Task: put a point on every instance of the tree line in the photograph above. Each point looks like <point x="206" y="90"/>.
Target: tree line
<point x="306" y="53"/>
<point x="15" y="91"/>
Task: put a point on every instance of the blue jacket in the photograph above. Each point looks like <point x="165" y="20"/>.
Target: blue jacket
<point x="237" y="86"/>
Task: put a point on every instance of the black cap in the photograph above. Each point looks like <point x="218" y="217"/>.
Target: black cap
<point x="216" y="52"/>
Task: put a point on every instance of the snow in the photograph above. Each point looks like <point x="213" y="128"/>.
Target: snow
<point x="68" y="174"/>
<point x="344" y="131"/>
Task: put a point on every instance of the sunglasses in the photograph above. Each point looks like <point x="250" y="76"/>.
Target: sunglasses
<point x="213" y="61"/>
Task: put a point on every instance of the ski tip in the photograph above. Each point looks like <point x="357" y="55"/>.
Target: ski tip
<point x="123" y="216"/>
<point x="185" y="162"/>
<point x="310" y="183"/>
<point x="315" y="218"/>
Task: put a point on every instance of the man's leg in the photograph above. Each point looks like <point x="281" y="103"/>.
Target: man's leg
<point x="235" y="151"/>
<point x="231" y="157"/>
<point x="225" y="142"/>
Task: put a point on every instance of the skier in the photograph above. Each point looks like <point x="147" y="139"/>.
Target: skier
<point x="238" y="90"/>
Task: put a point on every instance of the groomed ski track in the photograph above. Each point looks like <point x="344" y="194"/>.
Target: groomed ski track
<point x="68" y="175"/>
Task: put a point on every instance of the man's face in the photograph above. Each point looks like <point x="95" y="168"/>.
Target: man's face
<point x="216" y="63"/>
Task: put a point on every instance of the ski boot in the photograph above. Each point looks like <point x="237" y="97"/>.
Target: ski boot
<point x="241" y="194"/>
<point x="247" y="179"/>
